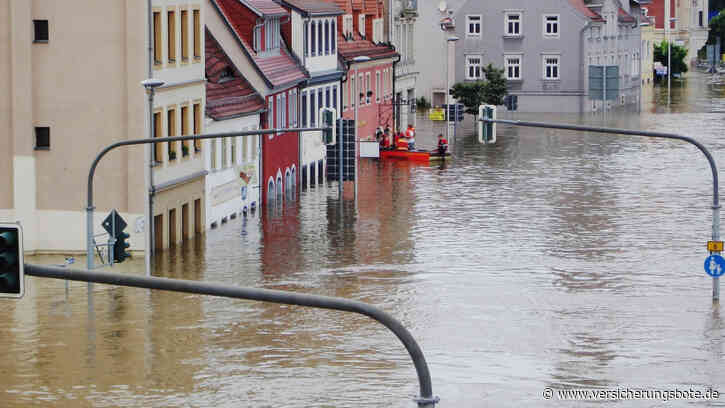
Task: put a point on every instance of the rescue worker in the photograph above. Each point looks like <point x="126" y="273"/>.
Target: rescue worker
<point x="410" y="135"/>
<point x="442" y="145"/>
<point x="402" y="143"/>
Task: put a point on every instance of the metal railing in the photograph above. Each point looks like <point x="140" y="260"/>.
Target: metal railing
<point x="426" y="399"/>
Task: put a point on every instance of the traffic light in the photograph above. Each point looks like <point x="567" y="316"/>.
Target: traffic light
<point x="115" y="226"/>
<point x="486" y="130"/>
<point x="327" y="120"/>
<point x="11" y="261"/>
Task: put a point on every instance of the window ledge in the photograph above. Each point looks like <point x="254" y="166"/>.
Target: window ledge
<point x="515" y="80"/>
<point x="40" y="41"/>
<point x="551" y="80"/>
<point x="513" y="37"/>
<point x="42" y="148"/>
<point x="553" y="37"/>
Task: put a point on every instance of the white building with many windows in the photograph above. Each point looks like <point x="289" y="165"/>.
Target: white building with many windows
<point x="401" y="21"/>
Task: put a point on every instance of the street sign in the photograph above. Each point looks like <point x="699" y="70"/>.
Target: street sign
<point x="108" y="223"/>
<point x="437" y="114"/>
<point x="715" y="246"/>
<point x="715" y="266"/>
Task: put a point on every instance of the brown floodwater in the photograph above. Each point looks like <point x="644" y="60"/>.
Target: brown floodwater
<point x="551" y="259"/>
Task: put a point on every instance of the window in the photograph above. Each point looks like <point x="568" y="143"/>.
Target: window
<point x="184" y="35"/>
<point x="367" y="88"/>
<point x="197" y="126"/>
<point x="171" y="127"/>
<point x="233" y="142"/>
<point x="157" y="38"/>
<point x="306" y="38"/>
<point x="333" y="36"/>
<point x="278" y="118"/>
<point x="328" y="103"/>
<point x="334" y="97"/>
<point x="473" y="67"/>
<point x="185" y="130"/>
<point x="293" y="108"/>
<point x="197" y="34"/>
<point x="172" y="35"/>
<point x="351" y="94"/>
<point x="513" y="67"/>
<point x="551" y="25"/>
<point x="313" y="111"/>
<point x="313" y="31"/>
<point x="42" y="138"/>
<point x="158" y="130"/>
<point x="245" y="148"/>
<point x="271" y="34"/>
<point x="699" y="18"/>
<point x="40" y="27"/>
<point x="270" y="113"/>
<point x="283" y="109"/>
<point x="361" y="24"/>
<point x="378" y="30"/>
<point x="377" y="86"/>
<point x="320" y="39"/>
<point x="214" y="148"/>
<point x="320" y="102"/>
<point x="347" y="25"/>
<point x="513" y="24"/>
<point x="361" y="88"/>
<point x="304" y="109"/>
<point x="270" y="191"/>
<point x="473" y="26"/>
<point x="551" y="67"/>
<point x="327" y="38"/>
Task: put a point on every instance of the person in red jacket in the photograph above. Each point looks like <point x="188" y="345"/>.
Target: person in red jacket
<point x="442" y="145"/>
<point x="410" y="135"/>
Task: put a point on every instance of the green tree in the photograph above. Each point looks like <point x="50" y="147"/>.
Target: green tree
<point x="717" y="29"/>
<point x="490" y="91"/>
<point x="678" y="56"/>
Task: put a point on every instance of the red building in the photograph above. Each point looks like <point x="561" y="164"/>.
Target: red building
<point x="249" y="32"/>
<point x="656" y="9"/>
<point x="368" y="85"/>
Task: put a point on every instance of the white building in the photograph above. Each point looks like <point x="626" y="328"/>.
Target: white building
<point x="402" y="16"/>
<point x="233" y="164"/>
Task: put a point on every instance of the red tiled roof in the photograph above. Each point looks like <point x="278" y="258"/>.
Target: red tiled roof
<point x="315" y="7"/>
<point x="360" y="47"/>
<point x="626" y="17"/>
<point x="264" y="8"/>
<point x="278" y="70"/>
<point x="229" y="96"/>
<point x="582" y="7"/>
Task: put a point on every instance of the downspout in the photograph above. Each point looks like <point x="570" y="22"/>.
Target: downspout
<point x="396" y="125"/>
<point x="585" y="91"/>
<point x="150" y="155"/>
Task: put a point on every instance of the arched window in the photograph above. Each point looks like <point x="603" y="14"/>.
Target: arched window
<point x="293" y="182"/>
<point x="270" y="192"/>
<point x="279" y="187"/>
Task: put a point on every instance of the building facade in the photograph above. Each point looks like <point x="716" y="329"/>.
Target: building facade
<point x="364" y="53"/>
<point x="232" y="105"/>
<point x="400" y="26"/>
<point x="56" y="114"/>
<point x="250" y="34"/>
<point x="312" y="32"/>
<point x="179" y="168"/>
<point x="546" y="48"/>
<point x="688" y="29"/>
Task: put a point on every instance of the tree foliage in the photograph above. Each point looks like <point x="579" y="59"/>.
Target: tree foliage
<point x="717" y="29"/>
<point x="490" y="91"/>
<point x="679" y="54"/>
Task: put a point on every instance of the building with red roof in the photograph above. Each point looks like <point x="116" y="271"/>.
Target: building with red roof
<point x="232" y="104"/>
<point x="250" y="33"/>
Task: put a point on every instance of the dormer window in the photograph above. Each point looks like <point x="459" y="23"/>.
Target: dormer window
<point x="361" y="24"/>
<point x="270" y="41"/>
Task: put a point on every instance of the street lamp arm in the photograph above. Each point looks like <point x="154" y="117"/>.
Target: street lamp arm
<point x="703" y="149"/>
<point x="427" y="400"/>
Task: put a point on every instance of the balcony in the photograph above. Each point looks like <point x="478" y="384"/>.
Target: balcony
<point x="409" y="8"/>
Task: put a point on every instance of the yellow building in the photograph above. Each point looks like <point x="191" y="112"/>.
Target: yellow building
<point x="69" y="86"/>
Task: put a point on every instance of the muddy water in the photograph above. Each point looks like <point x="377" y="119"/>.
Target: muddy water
<point x="548" y="260"/>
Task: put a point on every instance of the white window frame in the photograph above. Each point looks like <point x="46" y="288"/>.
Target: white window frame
<point x="378" y="30"/>
<point x="469" y="65"/>
<point x="361" y="24"/>
<point x="367" y="88"/>
<point x="546" y="64"/>
<point x="520" y="64"/>
<point x="347" y="24"/>
<point x="377" y="86"/>
<point x="474" y="17"/>
<point x="508" y="15"/>
<point x="545" y="26"/>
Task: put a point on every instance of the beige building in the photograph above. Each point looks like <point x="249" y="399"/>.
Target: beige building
<point x="689" y="27"/>
<point x="69" y="86"/>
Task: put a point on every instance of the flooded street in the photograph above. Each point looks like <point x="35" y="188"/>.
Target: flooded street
<point x="551" y="259"/>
